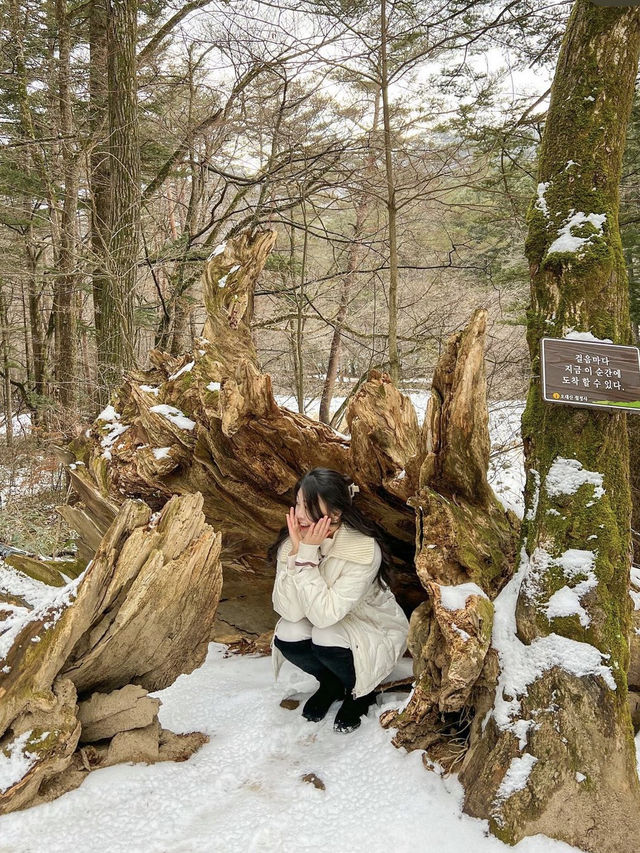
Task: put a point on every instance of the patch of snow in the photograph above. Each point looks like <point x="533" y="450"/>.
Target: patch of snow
<point x="455" y="597"/>
<point x="580" y="777"/>
<point x="175" y="416"/>
<point x="506" y="473"/>
<point x="461" y="632"/>
<point x="185" y="369"/>
<point x="572" y="335"/>
<point x="517" y="776"/>
<point x="578" y="566"/>
<point x="635" y="597"/>
<point x="218" y="250"/>
<point x="161" y="452"/>
<point x="16" y="761"/>
<point x="541" y="202"/>
<point x="108" y="414"/>
<point x="213" y="386"/>
<point x="45" y="603"/>
<point x="222" y="281"/>
<point x="567" y="475"/>
<point x="566" y="602"/>
<point x="114" y="432"/>
<point x="150" y="389"/>
<point x="567" y="242"/>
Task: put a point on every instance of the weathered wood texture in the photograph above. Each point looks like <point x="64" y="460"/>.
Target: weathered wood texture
<point x="462" y="536"/>
<point x="140" y="614"/>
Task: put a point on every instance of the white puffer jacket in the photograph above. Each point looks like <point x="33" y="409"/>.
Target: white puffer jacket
<point x="336" y="582"/>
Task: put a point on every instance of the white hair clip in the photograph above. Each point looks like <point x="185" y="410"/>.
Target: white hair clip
<point x="353" y="489"/>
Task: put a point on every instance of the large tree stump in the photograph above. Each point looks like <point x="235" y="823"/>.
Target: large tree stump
<point x="465" y="550"/>
<point x="208" y="423"/>
<point x="140" y="614"/>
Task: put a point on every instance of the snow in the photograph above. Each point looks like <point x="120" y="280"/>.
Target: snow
<point x="218" y="250"/>
<point x="455" y="597"/>
<point x="185" y="369"/>
<point x="541" y="202"/>
<point x="44" y="603"/>
<point x="517" y="775"/>
<point x="16" y="761"/>
<point x="161" y="452"/>
<point x="566" y="602"/>
<point x="567" y="242"/>
<point x="243" y="791"/>
<point x="580" y="777"/>
<point x="108" y="414"/>
<point x="175" y="416"/>
<point x="113" y="432"/>
<point x="223" y="280"/>
<point x="522" y="664"/>
<point x="213" y="386"/>
<point x="572" y="335"/>
<point x="567" y="475"/>
<point x="150" y="389"/>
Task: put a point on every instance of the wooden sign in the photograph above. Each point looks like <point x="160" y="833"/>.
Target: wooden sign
<point x="590" y="373"/>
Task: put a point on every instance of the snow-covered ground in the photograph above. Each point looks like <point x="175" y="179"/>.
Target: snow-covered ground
<point x="243" y="791"/>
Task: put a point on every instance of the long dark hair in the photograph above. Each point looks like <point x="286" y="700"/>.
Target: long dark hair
<point x="333" y="488"/>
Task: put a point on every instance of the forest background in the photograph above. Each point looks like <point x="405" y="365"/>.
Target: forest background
<point x="391" y="144"/>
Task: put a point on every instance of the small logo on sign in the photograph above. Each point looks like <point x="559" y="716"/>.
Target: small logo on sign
<point x="556" y="396"/>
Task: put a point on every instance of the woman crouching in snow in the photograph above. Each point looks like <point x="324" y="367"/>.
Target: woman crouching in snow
<point x="340" y="621"/>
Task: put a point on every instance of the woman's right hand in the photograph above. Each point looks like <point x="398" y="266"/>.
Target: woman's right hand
<point x="295" y="533"/>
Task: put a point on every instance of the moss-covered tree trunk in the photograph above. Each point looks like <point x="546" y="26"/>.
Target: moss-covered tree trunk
<point x="557" y="754"/>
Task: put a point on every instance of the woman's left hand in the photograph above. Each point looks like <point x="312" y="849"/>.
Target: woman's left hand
<point x="318" y="532"/>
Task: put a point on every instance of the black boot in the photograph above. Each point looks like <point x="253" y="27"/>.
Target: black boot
<point x="340" y="661"/>
<point x="302" y="654"/>
<point x="351" y="710"/>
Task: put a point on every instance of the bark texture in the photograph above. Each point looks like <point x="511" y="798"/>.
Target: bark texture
<point x="557" y="755"/>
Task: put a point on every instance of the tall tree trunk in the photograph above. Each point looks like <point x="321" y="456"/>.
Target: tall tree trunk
<point x="36" y="325"/>
<point x="99" y="174"/>
<point x="394" y="359"/>
<point x="64" y="303"/>
<point x="115" y="345"/>
<point x="557" y="754"/>
<point x="6" y="369"/>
